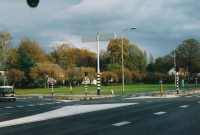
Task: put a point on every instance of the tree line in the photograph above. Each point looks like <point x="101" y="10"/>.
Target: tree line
<point x="20" y="61"/>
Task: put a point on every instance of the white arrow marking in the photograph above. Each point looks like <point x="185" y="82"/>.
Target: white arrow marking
<point x="62" y="112"/>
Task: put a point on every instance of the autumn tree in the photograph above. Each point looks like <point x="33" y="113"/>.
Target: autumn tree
<point x="127" y="74"/>
<point x="5" y="46"/>
<point x="72" y="74"/>
<point x="43" y="72"/>
<point x="115" y="50"/>
<point x="91" y="73"/>
<point x="15" y="75"/>
<point x="31" y="46"/>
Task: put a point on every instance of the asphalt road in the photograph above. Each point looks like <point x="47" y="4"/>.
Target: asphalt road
<point x="130" y="114"/>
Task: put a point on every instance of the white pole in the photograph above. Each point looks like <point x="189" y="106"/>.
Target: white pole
<point x="98" y="74"/>
<point x="122" y="65"/>
<point x="174" y="67"/>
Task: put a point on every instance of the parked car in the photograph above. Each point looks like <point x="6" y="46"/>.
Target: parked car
<point x="7" y="93"/>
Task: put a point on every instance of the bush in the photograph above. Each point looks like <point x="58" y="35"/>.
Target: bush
<point x="37" y="85"/>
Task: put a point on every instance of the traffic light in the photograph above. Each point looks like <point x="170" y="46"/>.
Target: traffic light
<point x="52" y="74"/>
<point x="177" y="69"/>
<point x="32" y="3"/>
<point x="86" y="74"/>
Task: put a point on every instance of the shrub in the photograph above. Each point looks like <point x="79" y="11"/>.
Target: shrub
<point x="37" y="85"/>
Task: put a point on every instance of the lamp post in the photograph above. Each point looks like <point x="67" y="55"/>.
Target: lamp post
<point x="122" y="59"/>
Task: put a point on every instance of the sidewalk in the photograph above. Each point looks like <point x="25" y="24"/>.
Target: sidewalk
<point x="67" y="97"/>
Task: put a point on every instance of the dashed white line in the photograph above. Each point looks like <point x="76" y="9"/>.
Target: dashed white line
<point x="198" y="102"/>
<point x="50" y="103"/>
<point x="19" y="106"/>
<point x="30" y="105"/>
<point x="121" y="123"/>
<point x="8" y="107"/>
<point x="184" y="106"/>
<point x="188" y="96"/>
<point x="159" y="113"/>
<point x="40" y="104"/>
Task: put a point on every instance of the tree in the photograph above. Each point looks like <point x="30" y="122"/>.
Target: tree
<point x="5" y="45"/>
<point x="115" y="50"/>
<point x="43" y="73"/>
<point x="72" y="74"/>
<point x="113" y="67"/>
<point x="91" y="73"/>
<point x="32" y="48"/>
<point x="188" y="55"/>
<point x="15" y="75"/>
<point x="136" y="59"/>
<point x="24" y="63"/>
<point x="151" y="59"/>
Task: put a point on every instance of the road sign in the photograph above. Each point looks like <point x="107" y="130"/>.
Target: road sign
<point x="161" y="81"/>
<point x="4" y="78"/>
<point x="51" y="81"/>
<point x="101" y="38"/>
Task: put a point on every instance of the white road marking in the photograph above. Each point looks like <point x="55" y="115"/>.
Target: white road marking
<point x="121" y="123"/>
<point x="23" y="98"/>
<point x="30" y="97"/>
<point x="58" y="102"/>
<point x="8" y="107"/>
<point x="32" y="110"/>
<point x="30" y="105"/>
<point x="19" y="106"/>
<point x="40" y="104"/>
<point x="110" y="100"/>
<point x="62" y="112"/>
<point x="50" y="103"/>
<point x="188" y="96"/>
<point x="5" y="113"/>
<point x="143" y="97"/>
<point x="184" y="106"/>
<point x="149" y="101"/>
<point x="159" y="113"/>
<point x="198" y="102"/>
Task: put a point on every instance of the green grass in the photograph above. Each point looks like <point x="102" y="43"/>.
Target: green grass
<point x="105" y="90"/>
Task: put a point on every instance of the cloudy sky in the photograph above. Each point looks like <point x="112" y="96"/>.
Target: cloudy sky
<point x="161" y="24"/>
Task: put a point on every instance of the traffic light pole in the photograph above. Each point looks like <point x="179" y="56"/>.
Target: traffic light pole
<point x="177" y="80"/>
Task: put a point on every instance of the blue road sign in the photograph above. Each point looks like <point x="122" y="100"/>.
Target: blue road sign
<point x="4" y="78"/>
<point x="161" y="81"/>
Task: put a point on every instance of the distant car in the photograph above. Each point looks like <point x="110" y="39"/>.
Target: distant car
<point x="7" y="93"/>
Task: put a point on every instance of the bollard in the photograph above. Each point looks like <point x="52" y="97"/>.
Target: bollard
<point x="160" y="88"/>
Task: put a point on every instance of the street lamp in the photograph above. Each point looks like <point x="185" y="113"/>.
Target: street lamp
<point x="122" y="59"/>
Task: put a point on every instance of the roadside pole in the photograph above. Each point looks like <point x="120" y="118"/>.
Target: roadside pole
<point x="196" y="81"/>
<point x="98" y="38"/>
<point x="4" y="79"/>
<point x="85" y="87"/>
<point x="161" y="82"/>
<point x="51" y="81"/>
<point x="177" y="80"/>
